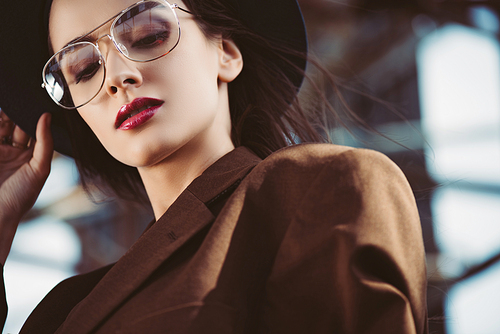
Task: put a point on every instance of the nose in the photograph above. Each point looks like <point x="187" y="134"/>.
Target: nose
<point x="122" y="74"/>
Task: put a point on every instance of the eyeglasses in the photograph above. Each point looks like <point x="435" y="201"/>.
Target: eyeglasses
<point x="143" y="32"/>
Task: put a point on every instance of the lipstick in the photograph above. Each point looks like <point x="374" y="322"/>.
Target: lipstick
<point x="136" y="113"/>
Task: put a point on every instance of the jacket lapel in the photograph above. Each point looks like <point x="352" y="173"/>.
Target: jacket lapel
<point x="187" y="216"/>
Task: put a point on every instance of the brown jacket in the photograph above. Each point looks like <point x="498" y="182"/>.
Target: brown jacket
<point x="314" y="239"/>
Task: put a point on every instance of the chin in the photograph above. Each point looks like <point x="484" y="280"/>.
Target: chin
<point x="143" y="156"/>
<point x="141" y="160"/>
<point x="134" y="155"/>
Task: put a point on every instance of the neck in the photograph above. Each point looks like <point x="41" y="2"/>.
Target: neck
<point x="166" y="180"/>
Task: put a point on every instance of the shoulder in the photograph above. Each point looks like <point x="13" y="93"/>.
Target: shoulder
<point x="314" y="154"/>
<point x="323" y="181"/>
<point x="310" y="161"/>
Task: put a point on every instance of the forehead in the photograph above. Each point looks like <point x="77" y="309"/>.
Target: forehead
<point x="72" y="18"/>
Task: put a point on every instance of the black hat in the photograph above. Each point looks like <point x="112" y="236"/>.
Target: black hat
<point x="24" y="51"/>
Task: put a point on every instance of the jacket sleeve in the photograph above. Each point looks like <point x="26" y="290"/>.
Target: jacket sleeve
<point x="3" y="301"/>
<point x="352" y="259"/>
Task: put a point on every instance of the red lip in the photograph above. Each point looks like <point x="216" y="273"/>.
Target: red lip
<point x="137" y="113"/>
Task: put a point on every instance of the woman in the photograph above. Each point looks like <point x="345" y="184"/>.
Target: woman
<point x="313" y="238"/>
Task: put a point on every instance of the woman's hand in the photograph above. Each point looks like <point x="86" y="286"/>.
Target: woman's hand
<point x="23" y="171"/>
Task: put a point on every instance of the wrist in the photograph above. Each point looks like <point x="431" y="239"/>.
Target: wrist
<point x="8" y="227"/>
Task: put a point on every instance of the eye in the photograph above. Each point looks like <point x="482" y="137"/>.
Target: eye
<point x="87" y="73"/>
<point x="152" y="40"/>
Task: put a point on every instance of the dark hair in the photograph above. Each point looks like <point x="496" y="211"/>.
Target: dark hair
<point x="265" y="112"/>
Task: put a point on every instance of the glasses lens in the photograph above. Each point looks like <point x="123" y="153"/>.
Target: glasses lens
<point x="146" y="31"/>
<point x="74" y="75"/>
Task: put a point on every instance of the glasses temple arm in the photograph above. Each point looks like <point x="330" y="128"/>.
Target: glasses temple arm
<point x="182" y="9"/>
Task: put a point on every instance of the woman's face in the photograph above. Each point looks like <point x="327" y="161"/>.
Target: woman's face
<point x="185" y="91"/>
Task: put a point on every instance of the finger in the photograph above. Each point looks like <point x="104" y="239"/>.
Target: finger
<point x="19" y="138"/>
<point x="44" y="146"/>
<point x="6" y="125"/>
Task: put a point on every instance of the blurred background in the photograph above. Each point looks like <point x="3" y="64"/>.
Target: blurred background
<point x="425" y="75"/>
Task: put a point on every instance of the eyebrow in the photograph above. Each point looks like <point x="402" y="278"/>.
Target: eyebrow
<point x="85" y="37"/>
<point x="81" y="37"/>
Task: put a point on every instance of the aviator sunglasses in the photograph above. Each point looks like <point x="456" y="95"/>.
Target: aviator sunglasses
<point x="143" y="32"/>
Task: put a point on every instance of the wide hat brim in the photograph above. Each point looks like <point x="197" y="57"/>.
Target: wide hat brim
<point x="23" y="39"/>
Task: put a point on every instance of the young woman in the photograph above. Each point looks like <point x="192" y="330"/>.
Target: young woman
<point x="252" y="234"/>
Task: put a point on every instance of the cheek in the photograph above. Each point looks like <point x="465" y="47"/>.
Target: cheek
<point x="181" y="70"/>
<point x="187" y="82"/>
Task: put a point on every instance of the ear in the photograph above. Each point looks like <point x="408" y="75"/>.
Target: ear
<point x="230" y="61"/>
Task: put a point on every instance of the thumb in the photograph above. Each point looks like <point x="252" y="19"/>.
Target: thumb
<point x="44" y="145"/>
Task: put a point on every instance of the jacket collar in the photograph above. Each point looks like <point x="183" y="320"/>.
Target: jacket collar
<point x="185" y="217"/>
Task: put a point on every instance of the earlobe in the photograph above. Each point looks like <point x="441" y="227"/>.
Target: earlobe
<point x="230" y="61"/>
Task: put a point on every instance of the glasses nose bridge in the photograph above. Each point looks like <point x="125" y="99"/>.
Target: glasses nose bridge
<point x="112" y="40"/>
<point x="118" y="46"/>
